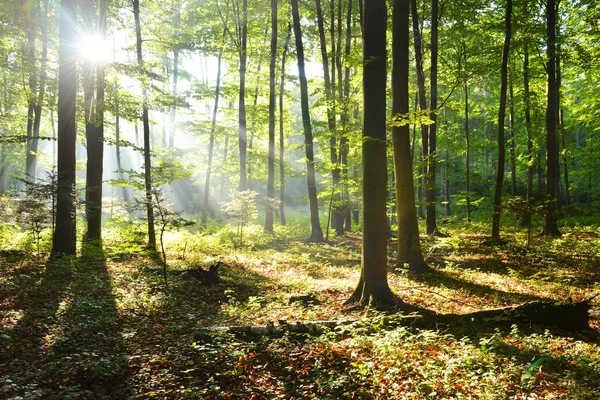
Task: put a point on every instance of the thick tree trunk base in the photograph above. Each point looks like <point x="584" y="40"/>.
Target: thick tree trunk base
<point x="566" y="316"/>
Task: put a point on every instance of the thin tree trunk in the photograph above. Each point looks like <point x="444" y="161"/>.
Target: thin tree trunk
<point x="242" y="98"/>
<point x="513" y="163"/>
<point x="211" y="142"/>
<point x="281" y="132"/>
<point x="65" y="233"/>
<point x="271" y="162"/>
<point x="173" y="114"/>
<point x="447" y="209"/>
<point x="330" y="99"/>
<point x="430" y="183"/>
<point x="501" y="118"/>
<point x="146" y="122"/>
<point x="31" y="158"/>
<point x="530" y="155"/>
<point x="409" y="245"/>
<point x="316" y="232"/>
<point x="467" y="145"/>
<point x="561" y="124"/>
<point x="344" y="147"/>
<point x="422" y="101"/>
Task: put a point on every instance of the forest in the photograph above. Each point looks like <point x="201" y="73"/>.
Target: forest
<point x="343" y="199"/>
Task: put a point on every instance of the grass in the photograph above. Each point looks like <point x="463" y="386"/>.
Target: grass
<point x="103" y="325"/>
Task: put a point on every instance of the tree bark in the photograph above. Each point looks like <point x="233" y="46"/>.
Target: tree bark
<point x="501" y="117"/>
<point x="527" y="106"/>
<point x="430" y="183"/>
<point x="513" y="140"/>
<point x="211" y="140"/>
<point x="551" y="217"/>
<point x="271" y="162"/>
<point x="373" y="285"/>
<point x="418" y="41"/>
<point x="281" y="132"/>
<point x="409" y="245"/>
<point x="316" y="232"/>
<point x="242" y="97"/>
<point x="467" y="143"/>
<point x="65" y="233"/>
<point x="146" y="122"/>
<point x="173" y="114"/>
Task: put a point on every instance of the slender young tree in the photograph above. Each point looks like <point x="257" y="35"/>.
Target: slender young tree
<point x="467" y="140"/>
<point x="64" y="239"/>
<point x="373" y="285"/>
<point x="271" y="161"/>
<point x="527" y="106"/>
<point x="243" y="134"/>
<point x="316" y="234"/>
<point x="211" y="140"/>
<point x="551" y="217"/>
<point x="281" y="131"/>
<point x="173" y="113"/>
<point x="501" y="118"/>
<point x="409" y="245"/>
<point x="430" y="184"/>
<point x="146" y="123"/>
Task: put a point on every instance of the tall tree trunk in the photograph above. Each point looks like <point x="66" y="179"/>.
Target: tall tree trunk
<point x="146" y="122"/>
<point x="501" y="118"/>
<point x="271" y="161"/>
<point x="316" y="232"/>
<point x="561" y="125"/>
<point x="242" y="97"/>
<point x="281" y="132"/>
<point x="31" y="158"/>
<point x="211" y="140"/>
<point x="173" y="114"/>
<point x="513" y="140"/>
<point x="447" y="209"/>
<point x="430" y="184"/>
<point x="329" y="79"/>
<point x="409" y="245"/>
<point x="551" y="218"/>
<point x="527" y="105"/>
<point x="344" y="147"/>
<point x="373" y="285"/>
<point x="467" y="144"/>
<point x="65" y="233"/>
<point x="422" y="100"/>
<point x="95" y="142"/>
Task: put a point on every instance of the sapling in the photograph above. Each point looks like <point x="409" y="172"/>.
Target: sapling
<point x="36" y="208"/>
<point x="166" y="218"/>
<point x="242" y="206"/>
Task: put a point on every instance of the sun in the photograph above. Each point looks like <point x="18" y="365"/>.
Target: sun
<point x="94" y="48"/>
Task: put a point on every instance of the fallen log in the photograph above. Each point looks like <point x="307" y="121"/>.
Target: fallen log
<point x="567" y="316"/>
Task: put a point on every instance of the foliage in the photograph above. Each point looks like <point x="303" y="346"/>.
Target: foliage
<point x="242" y="207"/>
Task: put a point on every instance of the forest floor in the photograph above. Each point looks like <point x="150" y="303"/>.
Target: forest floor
<point x="104" y="325"/>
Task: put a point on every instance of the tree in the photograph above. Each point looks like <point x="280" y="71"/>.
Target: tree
<point x="501" y="118"/>
<point x="95" y="71"/>
<point x="271" y="161"/>
<point x="551" y="218"/>
<point x="373" y="285"/>
<point x="146" y="123"/>
<point x="409" y="246"/>
<point x="430" y="186"/>
<point x="242" y="95"/>
<point x="316" y="234"/>
<point x="64" y="239"/>
<point x="281" y="141"/>
<point x="211" y="143"/>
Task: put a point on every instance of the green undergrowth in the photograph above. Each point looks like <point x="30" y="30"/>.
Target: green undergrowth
<point x="103" y="325"/>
